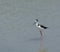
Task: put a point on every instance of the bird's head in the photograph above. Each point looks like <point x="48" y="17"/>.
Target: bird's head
<point x="36" y="20"/>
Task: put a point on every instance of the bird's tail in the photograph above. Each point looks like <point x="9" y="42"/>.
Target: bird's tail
<point x="45" y="27"/>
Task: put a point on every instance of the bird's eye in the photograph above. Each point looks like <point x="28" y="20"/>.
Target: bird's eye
<point x="36" y="19"/>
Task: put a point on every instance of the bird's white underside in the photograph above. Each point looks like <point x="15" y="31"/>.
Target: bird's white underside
<point x="38" y="26"/>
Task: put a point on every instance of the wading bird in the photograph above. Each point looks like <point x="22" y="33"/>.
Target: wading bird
<point x="39" y="26"/>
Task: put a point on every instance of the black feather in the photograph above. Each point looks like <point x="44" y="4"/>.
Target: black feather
<point x="43" y="27"/>
<point x="36" y="20"/>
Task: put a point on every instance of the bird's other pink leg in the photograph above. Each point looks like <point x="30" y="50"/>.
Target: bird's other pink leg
<point x="41" y="40"/>
<point x="41" y="35"/>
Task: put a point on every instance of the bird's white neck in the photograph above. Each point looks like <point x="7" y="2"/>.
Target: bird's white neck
<point x="37" y="23"/>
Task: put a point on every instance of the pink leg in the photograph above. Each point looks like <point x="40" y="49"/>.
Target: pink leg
<point x="41" y="35"/>
<point x="41" y="40"/>
<point x="41" y="32"/>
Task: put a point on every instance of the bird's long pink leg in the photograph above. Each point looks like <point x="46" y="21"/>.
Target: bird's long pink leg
<point x="41" y="33"/>
<point x="41" y="37"/>
<point x="41" y="40"/>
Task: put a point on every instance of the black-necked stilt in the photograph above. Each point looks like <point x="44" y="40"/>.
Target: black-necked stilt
<point x="39" y="25"/>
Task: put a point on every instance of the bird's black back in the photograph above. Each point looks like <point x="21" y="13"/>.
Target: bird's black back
<point x="43" y="27"/>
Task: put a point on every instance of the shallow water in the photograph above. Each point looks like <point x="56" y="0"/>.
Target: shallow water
<point x="17" y="33"/>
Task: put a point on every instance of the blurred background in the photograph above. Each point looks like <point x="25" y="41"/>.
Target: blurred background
<point x="17" y="32"/>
